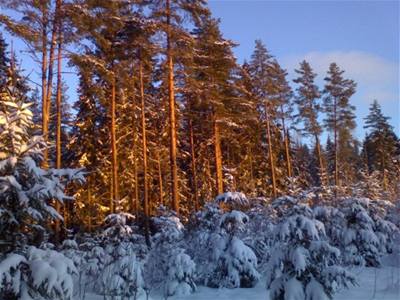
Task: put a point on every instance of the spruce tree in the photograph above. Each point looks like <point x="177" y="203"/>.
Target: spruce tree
<point x="380" y="145"/>
<point x="4" y="60"/>
<point x="26" y="188"/>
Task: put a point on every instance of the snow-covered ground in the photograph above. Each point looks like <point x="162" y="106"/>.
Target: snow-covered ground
<point x="387" y="287"/>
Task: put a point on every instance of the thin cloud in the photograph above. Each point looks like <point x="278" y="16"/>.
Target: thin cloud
<point x="376" y="77"/>
<point x="364" y="67"/>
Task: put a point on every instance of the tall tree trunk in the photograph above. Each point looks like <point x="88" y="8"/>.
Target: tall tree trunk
<point x="135" y="192"/>
<point x="320" y="160"/>
<point x="135" y="167"/>
<point x="89" y="200"/>
<point x="218" y="157"/>
<point x="45" y="126"/>
<point x="336" y="148"/>
<point x="287" y="146"/>
<point x="56" y="30"/>
<point x="144" y="153"/>
<point x="270" y="153"/>
<point x="194" y="171"/>
<point x="114" y="159"/>
<point x="172" y="121"/>
<point x="58" y="114"/>
<point x="160" y="178"/>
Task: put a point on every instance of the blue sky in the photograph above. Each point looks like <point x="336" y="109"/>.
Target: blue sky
<point x="361" y="36"/>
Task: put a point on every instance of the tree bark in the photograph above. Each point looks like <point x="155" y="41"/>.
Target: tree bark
<point x="336" y="175"/>
<point x="194" y="171"/>
<point x="172" y="121"/>
<point x="56" y="30"/>
<point x="45" y="126"/>
<point x="160" y="178"/>
<point x="270" y="154"/>
<point x="58" y="127"/>
<point x="89" y="199"/>
<point x="114" y="159"/>
<point x="144" y="153"/>
<point x="321" y="164"/>
<point x="287" y="147"/>
<point x="218" y="157"/>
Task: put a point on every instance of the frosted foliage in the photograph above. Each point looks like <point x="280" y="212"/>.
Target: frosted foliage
<point x="233" y="264"/>
<point x="303" y="265"/>
<point x="258" y="233"/>
<point x="37" y="274"/>
<point x="315" y="291"/>
<point x="117" y="228"/>
<point x="234" y="221"/>
<point x="25" y="188"/>
<point x="180" y="272"/>
<point x="233" y="199"/>
<point x="294" y="290"/>
<point x="203" y="239"/>
<point x="168" y="267"/>
<point x="123" y="276"/>
<point x="366" y="236"/>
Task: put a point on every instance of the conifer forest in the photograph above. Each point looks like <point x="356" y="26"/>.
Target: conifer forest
<point x="179" y="171"/>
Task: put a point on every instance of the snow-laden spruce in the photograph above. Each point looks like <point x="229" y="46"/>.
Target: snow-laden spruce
<point x="366" y="235"/>
<point x="25" y="188"/>
<point x="303" y="265"/>
<point x="26" y="191"/>
<point x="235" y="263"/>
<point x="258" y="233"/>
<point x="168" y="267"/>
<point x="36" y="274"/>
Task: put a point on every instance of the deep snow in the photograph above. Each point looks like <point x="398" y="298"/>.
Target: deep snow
<point x="387" y="288"/>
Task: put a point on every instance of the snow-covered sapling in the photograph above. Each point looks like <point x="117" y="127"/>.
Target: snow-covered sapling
<point x="234" y="263"/>
<point x="303" y="265"/>
<point x="168" y="266"/>
<point x="366" y="236"/>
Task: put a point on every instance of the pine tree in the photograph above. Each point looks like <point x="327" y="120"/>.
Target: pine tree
<point x="172" y="15"/>
<point x="339" y="114"/>
<point x="309" y="108"/>
<point x="259" y="67"/>
<point x="213" y="66"/>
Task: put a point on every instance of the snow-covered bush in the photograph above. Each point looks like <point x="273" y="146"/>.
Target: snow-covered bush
<point x="112" y="264"/>
<point x="36" y="274"/>
<point x="168" y="267"/>
<point x="366" y="235"/>
<point x="258" y="234"/>
<point x="232" y="263"/>
<point x="303" y="265"/>
<point x="201" y="229"/>
<point x="123" y="276"/>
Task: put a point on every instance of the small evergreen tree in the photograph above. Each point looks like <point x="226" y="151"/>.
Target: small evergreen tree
<point x="234" y="263"/>
<point x="303" y="265"/>
<point x="26" y="188"/>
<point x="168" y="266"/>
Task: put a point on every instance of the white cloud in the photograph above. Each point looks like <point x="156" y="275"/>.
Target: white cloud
<point x="375" y="76"/>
